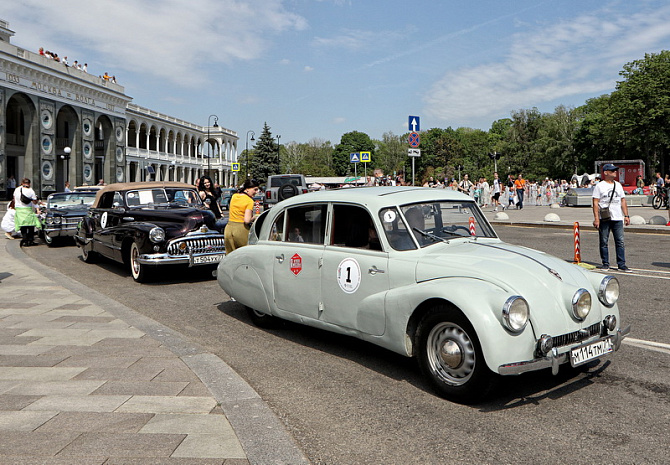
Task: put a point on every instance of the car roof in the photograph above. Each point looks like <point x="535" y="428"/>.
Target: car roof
<point x="377" y="197"/>
<point x="126" y="186"/>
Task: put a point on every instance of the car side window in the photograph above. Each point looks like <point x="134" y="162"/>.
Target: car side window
<point x="306" y="224"/>
<point x="353" y="227"/>
<point x="107" y="200"/>
<point x="396" y="232"/>
<point x="277" y="230"/>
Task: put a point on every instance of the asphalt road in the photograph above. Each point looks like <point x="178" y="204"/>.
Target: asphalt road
<point x="349" y="402"/>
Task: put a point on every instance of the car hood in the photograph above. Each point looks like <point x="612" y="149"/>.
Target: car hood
<point x="175" y="221"/>
<point x="546" y="282"/>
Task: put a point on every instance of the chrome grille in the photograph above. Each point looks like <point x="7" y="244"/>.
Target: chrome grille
<point x="577" y="336"/>
<point x="71" y="221"/>
<point x="197" y="245"/>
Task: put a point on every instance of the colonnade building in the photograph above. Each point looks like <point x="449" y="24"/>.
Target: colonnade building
<point x="59" y="123"/>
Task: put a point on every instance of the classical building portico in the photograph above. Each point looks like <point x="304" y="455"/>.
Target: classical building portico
<point x="47" y="107"/>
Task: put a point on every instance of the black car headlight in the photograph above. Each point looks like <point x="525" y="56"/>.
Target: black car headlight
<point x="157" y="235"/>
<point x="581" y="304"/>
<point x="608" y="292"/>
<point x="57" y="219"/>
<point x="515" y="313"/>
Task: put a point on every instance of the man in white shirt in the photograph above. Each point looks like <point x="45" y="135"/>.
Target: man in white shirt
<point x="609" y="193"/>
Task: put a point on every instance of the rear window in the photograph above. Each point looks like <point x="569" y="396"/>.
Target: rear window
<point x="278" y="182"/>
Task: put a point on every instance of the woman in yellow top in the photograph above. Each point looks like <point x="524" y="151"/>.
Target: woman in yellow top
<point x="240" y="216"/>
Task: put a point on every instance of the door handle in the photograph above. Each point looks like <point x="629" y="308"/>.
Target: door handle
<point x="280" y="258"/>
<point x="374" y="270"/>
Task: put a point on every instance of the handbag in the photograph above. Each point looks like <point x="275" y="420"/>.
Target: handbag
<point x="604" y="212"/>
<point x="25" y="198"/>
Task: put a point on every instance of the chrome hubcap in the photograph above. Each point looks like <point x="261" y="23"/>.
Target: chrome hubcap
<point x="451" y="353"/>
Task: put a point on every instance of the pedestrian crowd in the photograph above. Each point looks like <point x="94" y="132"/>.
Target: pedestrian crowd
<point x="75" y="65"/>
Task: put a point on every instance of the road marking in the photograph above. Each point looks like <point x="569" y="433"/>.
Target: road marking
<point x="639" y="272"/>
<point x="649" y="345"/>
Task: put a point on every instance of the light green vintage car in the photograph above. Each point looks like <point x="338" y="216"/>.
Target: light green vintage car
<point x="421" y="272"/>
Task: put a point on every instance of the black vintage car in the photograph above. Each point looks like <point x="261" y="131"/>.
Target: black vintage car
<point x="147" y="224"/>
<point x="64" y="211"/>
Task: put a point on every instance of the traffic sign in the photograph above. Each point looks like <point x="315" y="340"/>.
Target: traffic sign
<point x="414" y="124"/>
<point x="365" y="157"/>
<point x="236" y="167"/>
<point x="414" y="139"/>
<point x="355" y="157"/>
<point x="413" y="152"/>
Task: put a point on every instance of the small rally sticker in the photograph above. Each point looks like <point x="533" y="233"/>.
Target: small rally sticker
<point x="349" y="275"/>
<point x="296" y="264"/>
<point x="389" y="216"/>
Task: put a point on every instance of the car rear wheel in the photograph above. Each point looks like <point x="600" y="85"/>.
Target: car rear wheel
<point x="262" y="320"/>
<point x="138" y="270"/>
<point x="450" y="356"/>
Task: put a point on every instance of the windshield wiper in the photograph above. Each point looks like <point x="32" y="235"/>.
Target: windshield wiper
<point x="430" y="235"/>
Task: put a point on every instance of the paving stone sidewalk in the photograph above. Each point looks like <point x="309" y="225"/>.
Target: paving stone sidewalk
<point x="84" y="380"/>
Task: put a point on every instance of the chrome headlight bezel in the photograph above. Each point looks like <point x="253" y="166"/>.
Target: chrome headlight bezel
<point x="56" y="219"/>
<point x="608" y="291"/>
<point x="581" y="304"/>
<point x="157" y="235"/>
<point x="515" y="313"/>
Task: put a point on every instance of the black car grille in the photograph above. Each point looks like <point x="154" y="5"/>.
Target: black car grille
<point x="577" y="336"/>
<point x="196" y="245"/>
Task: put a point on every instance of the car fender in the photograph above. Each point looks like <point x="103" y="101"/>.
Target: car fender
<point x="480" y="301"/>
<point x="244" y="284"/>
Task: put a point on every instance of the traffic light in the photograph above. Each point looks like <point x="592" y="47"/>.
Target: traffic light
<point x="495" y="155"/>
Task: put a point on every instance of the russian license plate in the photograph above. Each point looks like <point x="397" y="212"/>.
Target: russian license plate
<point x="588" y="352"/>
<point x="204" y="259"/>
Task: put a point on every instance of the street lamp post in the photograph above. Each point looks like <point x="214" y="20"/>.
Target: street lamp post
<point x="216" y="120"/>
<point x="66" y="157"/>
<point x="278" y="159"/>
<point x="246" y="167"/>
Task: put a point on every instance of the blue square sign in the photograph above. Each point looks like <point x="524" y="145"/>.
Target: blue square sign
<point x="414" y="124"/>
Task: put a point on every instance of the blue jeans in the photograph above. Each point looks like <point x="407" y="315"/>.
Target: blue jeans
<point x="617" y="232"/>
<point x="519" y="194"/>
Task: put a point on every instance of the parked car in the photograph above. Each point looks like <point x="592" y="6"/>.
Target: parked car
<point x="226" y="194"/>
<point x="422" y="273"/>
<point x="284" y="186"/>
<point x="64" y="211"/>
<point x="149" y="224"/>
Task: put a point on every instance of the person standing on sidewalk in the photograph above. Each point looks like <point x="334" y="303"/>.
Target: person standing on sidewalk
<point x="497" y="191"/>
<point x="25" y="220"/>
<point x="520" y="186"/>
<point x="609" y="193"/>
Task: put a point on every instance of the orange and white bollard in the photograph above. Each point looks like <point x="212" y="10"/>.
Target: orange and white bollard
<point x="578" y="255"/>
<point x="473" y="231"/>
<point x="258" y="207"/>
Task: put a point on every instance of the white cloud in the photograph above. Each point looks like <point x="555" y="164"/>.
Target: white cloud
<point x="570" y="58"/>
<point x="139" y="34"/>
<point x="308" y="69"/>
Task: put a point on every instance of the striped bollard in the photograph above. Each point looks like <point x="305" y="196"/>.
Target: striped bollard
<point x="578" y="255"/>
<point x="258" y="207"/>
<point x="473" y="231"/>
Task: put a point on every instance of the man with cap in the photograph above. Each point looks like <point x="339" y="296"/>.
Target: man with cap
<point x="609" y="193"/>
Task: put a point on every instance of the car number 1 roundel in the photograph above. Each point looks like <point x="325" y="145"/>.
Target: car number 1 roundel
<point x="349" y="275"/>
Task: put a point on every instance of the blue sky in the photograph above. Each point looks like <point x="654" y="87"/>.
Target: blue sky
<point x="321" y="68"/>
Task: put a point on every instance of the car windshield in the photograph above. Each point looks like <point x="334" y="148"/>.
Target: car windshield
<point x="429" y="223"/>
<point x="162" y="197"/>
<point x="71" y="200"/>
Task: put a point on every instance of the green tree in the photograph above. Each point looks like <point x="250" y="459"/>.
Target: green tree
<point x="265" y="160"/>
<point x="350" y="142"/>
<point x="390" y="153"/>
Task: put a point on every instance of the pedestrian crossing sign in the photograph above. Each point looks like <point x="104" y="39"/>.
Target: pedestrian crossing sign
<point x="236" y="166"/>
<point x="355" y="157"/>
<point x="365" y="157"/>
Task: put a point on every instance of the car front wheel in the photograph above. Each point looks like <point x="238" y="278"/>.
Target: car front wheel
<point x="87" y="254"/>
<point x="50" y="241"/>
<point x="138" y="270"/>
<point x="451" y="357"/>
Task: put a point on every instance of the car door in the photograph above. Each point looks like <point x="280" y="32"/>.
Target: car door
<point x="354" y="276"/>
<point x="299" y="233"/>
<point x="106" y="219"/>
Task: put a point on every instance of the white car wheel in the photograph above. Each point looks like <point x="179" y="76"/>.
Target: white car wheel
<point x="138" y="271"/>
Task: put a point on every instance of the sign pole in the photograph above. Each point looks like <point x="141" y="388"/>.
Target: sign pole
<point x="412" y="171"/>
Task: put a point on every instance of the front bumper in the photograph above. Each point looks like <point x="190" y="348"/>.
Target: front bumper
<point x="191" y="250"/>
<point x="553" y="359"/>
<point x="192" y="259"/>
<point x="68" y="231"/>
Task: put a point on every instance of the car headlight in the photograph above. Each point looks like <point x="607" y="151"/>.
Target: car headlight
<point x="515" y="313"/>
<point x="56" y="219"/>
<point x="581" y="304"/>
<point x="157" y="235"/>
<point x="608" y="292"/>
